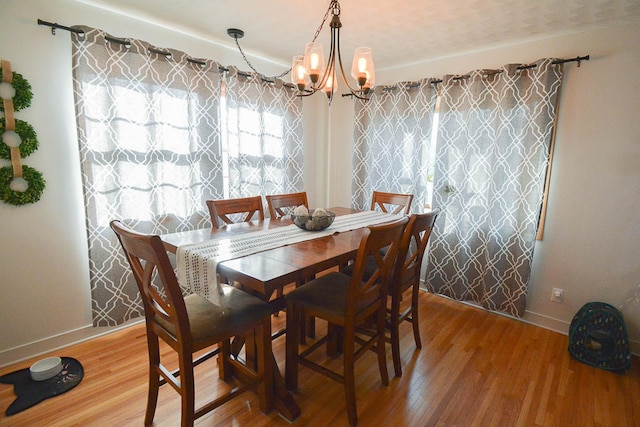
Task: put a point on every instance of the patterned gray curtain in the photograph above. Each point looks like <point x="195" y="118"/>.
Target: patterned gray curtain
<point x="264" y="136"/>
<point x="148" y="130"/>
<point x="392" y="143"/>
<point x="491" y="160"/>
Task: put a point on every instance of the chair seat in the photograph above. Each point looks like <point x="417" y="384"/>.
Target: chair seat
<point x="400" y="284"/>
<point x="326" y="294"/>
<point x="210" y="322"/>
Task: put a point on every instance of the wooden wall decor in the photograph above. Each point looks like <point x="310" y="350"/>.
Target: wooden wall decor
<point x="19" y="184"/>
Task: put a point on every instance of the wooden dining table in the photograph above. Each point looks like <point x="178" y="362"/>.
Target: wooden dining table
<point x="265" y="272"/>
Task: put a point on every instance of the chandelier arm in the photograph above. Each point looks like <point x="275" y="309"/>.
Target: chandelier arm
<point x="344" y="77"/>
<point x="329" y="68"/>
<point x="330" y="72"/>
<point x="307" y="92"/>
<point x="331" y="63"/>
<point x="356" y="94"/>
<point x="335" y="46"/>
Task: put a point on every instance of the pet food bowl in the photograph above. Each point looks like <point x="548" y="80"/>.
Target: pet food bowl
<point x="46" y="368"/>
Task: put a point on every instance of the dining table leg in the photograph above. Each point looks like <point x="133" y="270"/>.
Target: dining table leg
<point x="283" y="400"/>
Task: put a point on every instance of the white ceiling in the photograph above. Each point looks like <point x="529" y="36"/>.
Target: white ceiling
<point x="398" y="31"/>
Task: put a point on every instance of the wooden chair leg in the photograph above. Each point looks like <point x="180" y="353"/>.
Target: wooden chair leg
<point x="302" y="331"/>
<point x="187" y="393"/>
<point x="225" y="371"/>
<point x="415" y="294"/>
<point x="395" y="335"/>
<point x="265" y="367"/>
<point x="380" y="347"/>
<point x="348" y="358"/>
<point x="154" y="378"/>
<point x="310" y="326"/>
<point x="279" y="293"/>
<point x="307" y="328"/>
<point x="335" y="340"/>
<point x="293" y="337"/>
<point x="250" y="350"/>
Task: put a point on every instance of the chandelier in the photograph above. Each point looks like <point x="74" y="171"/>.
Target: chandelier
<point x="310" y="73"/>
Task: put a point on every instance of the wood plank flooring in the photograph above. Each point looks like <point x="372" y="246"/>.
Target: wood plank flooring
<point x="475" y="369"/>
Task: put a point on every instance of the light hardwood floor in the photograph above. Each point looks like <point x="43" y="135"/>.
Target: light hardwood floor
<point x="475" y="369"/>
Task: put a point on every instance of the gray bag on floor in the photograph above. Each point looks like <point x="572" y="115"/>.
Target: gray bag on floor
<point x="598" y="337"/>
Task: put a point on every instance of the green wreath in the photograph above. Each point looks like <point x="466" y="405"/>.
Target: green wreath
<point x="28" y="141"/>
<point x="31" y="195"/>
<point x="23" y="96"/>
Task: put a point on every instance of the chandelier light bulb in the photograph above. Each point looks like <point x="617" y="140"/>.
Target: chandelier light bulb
<point x="330" y="86"/>
<point x="371" y="80"/>
<point x="362" y="66"/>
<point x="314" y="61"/>
<point x="299" y="76"/>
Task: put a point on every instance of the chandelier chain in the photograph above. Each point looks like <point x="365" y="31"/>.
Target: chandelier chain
<point x="332" y="6"/>
<point x="254" y="68"/>
<point x="326" y="16"/>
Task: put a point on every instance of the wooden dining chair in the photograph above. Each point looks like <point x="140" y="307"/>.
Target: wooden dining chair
<point x="391" y="202"/>
<point x="405" y="276"/>
<point x="278" y="203"/>
<point x="245" y="207"/>
<point x="192" y="323"/>
<point x="346" y="302"/>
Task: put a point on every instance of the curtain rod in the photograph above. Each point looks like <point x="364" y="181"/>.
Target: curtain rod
<point x="577" y="59"/>
<point x="54" y="26"/>
<point x="125" y="42"/>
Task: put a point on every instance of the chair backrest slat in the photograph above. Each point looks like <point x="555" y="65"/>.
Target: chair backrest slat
<point x="279" y="202"/>
<point x="369" y="285"/>
<point x="391" y="202"/>
<point x="146" y="255"/>
<point x="247" y="206"/>
<point x="412" y="248"/>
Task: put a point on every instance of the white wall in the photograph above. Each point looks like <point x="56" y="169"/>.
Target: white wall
<point x="591" y="245"/>
<point x="45" y="297"/>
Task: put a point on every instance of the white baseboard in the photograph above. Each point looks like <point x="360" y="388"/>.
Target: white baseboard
<point x="550" y="323"/>
<point x="56" y="342"/>
<point x="563" y="327"/>
<point x="546" y="322"/>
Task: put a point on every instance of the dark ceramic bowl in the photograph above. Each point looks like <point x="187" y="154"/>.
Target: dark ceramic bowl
<point x="314" y="222"/>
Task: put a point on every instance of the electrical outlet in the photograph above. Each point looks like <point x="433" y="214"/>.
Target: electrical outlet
<point x="557" y="295"/>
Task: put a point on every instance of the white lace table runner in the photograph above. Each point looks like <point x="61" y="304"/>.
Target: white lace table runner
<point x="197" y="263"/>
